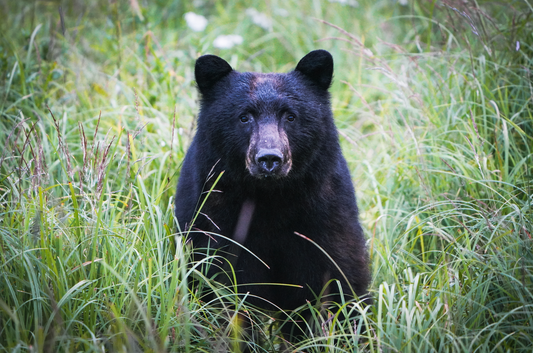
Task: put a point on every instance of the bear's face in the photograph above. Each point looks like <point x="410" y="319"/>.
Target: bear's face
<point x="270" y="126"/>
<point x="268" y="119"/>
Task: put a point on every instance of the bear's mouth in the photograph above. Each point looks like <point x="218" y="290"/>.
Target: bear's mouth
<point x="266" y="173"/>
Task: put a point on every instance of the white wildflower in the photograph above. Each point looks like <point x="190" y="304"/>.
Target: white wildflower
<point x="195" y="22"/>
<point x="227" y="41"/>
<point x="260" y="18"/>
<point x="352" y="3"/>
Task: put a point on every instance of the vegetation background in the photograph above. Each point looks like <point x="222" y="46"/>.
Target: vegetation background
<point x="433" y="101"/>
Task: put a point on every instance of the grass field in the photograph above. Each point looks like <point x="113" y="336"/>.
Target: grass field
<point x="433" y="101"/>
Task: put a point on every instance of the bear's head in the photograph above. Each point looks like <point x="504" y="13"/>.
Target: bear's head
<point x="268" y="126"/>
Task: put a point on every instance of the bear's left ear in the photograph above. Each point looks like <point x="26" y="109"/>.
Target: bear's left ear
<point x="317" y="66"/>
<point x="208" y="70"/>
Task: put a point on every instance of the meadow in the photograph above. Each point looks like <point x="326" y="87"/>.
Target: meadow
<point x="433" y="101"/>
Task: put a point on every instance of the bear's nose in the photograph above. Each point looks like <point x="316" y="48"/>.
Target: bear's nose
<point x="269" y="160"/>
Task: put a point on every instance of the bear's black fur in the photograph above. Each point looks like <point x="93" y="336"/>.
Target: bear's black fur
<point x="284" y="176"/>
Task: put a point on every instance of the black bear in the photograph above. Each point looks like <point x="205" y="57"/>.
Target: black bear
<point x="265" y="169"/>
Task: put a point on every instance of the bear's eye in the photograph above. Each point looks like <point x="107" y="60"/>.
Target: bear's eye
<point x="244" y="119"/>
<point x="290" y="117"/>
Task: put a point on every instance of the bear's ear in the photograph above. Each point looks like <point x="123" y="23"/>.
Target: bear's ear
<point x="317" y="66"/>
<point x="209" y="69"/>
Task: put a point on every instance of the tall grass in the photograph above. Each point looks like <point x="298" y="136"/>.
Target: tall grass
<point x="433" y="103"/>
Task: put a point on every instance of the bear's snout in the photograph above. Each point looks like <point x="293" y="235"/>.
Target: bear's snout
<point x="269" y="154"/>
<point x="269" y="161"/>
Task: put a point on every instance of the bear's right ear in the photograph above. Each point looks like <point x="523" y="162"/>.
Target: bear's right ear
<point x="209" y="69"/>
